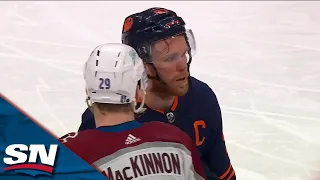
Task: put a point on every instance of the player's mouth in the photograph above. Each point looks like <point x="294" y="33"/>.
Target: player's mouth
<point x="181" y="79"/>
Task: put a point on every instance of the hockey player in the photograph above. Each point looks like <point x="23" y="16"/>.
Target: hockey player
<point x="160" y="38"/>
<point x="120" y="147"/>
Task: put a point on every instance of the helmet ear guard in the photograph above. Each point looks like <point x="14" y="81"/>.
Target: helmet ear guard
<point x="144" y="52"/>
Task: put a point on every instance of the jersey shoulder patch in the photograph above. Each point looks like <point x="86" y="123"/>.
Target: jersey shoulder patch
<point x="68" y="136"/>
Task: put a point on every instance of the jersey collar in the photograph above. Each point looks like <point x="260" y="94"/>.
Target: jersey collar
<point x="173" y="106"/>
<point x="120" y="127"/>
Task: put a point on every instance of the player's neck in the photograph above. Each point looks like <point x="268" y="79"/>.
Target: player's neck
<point x="111" y="119"/>
<point x="161" y="101"/>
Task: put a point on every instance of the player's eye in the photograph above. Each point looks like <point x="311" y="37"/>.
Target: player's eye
<point x="172" y="57"/>
<point x="176" y="57"/>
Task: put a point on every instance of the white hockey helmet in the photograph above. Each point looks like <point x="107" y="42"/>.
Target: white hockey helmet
<point x="112" y="73"/>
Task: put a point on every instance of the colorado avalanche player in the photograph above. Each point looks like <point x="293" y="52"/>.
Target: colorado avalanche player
<point x="121" y="147"/>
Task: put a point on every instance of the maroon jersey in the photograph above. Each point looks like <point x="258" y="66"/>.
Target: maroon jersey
<point x="136" y="150"/>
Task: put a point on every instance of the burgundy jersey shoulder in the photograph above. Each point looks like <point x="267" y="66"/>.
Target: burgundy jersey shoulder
<point x="75" y="137"/>
<point x="168" y="131"/>
<point x="74" y="140"/>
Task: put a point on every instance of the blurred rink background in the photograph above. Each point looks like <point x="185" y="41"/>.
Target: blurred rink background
<point x="262" y="59"/>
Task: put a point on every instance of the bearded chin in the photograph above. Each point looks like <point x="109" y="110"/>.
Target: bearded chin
<point x="160" y="88"/>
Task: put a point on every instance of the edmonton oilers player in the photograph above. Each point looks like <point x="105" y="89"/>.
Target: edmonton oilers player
<point x="120" y="147"/>
<point x="173" y="96"/>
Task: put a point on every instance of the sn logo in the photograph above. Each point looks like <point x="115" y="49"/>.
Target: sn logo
<point x="19" y="159"/>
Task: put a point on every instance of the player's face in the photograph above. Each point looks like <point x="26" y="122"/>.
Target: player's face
<point x="170" y="58"/>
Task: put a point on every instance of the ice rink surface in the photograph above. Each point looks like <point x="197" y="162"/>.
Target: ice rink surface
<point x="262" y="59"/>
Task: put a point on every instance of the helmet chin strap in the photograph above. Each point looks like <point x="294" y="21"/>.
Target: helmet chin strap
<point x="141" y="108"/>
<point x="88" y="102"/>
<point x="157" y="77"/>
<point x="142" y="84"/>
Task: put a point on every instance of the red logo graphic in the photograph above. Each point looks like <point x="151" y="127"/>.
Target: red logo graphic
<point x="160" y="11"/>
<point x="127" y="24"/>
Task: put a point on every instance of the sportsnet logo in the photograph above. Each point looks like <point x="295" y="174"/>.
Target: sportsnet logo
<point x="19" y="160"/>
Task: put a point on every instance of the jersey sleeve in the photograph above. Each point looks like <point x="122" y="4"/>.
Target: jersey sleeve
<point x="196" y="172"/>
<point x="64" y="139"/>
<point x="216" y="155"/>
<point x="197" y="162"/>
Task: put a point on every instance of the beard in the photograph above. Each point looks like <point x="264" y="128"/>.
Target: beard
<point x="169" y="89"/>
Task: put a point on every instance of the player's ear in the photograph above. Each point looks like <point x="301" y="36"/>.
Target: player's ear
<point x="138" y="94"/>
<point x="149" y="69"/>
<point x="146" y="68"/>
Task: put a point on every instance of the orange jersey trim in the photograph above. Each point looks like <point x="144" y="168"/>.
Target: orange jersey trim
<point x="226" y="173"/>
<point x="173" y="107"/>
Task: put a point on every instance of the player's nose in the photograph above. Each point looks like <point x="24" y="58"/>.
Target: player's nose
<point x="182" y="65"/>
